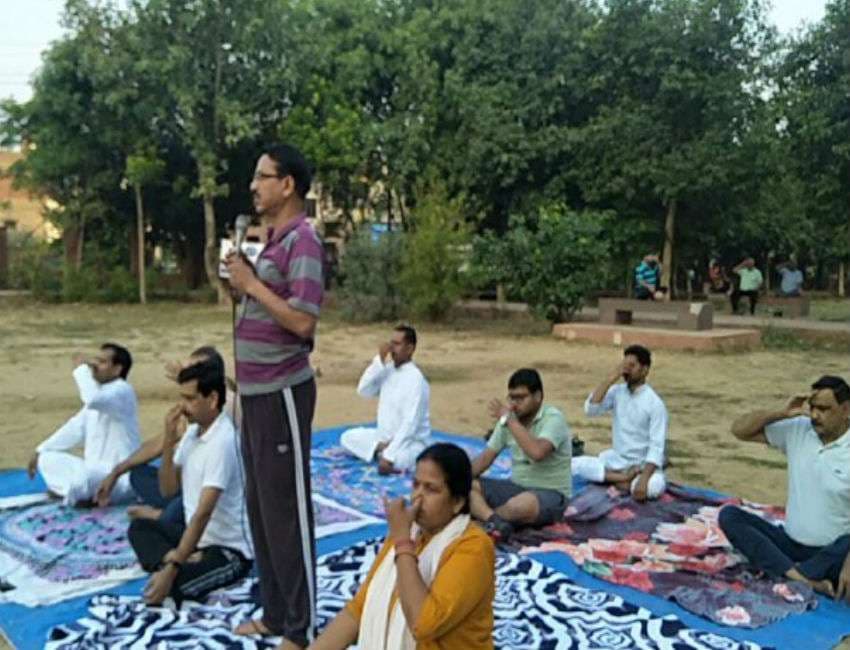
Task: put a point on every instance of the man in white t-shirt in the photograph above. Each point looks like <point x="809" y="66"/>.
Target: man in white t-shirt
<point x="404" y="424"/>
<point x="214" y="548"/>
<point x="107" y="427"/>
<point x="640" y="419"/>
<point x="813" y="544"/>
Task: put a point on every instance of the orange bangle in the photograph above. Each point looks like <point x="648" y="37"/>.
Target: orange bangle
<point x="398" y="554"/>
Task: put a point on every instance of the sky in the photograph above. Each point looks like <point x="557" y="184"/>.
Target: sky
<point x="24" y="36"/>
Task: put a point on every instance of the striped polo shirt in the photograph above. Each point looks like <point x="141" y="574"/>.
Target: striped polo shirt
<point x="269" y="357"/>
<point x="646" y="273"/>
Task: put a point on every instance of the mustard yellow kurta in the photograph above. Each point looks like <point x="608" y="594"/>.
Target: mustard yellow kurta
<point x="458" y="613"/>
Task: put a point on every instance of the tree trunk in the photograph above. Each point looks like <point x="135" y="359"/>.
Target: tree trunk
<point x="211" y="250"/>
<point x="72" y="240"/>
<point x="842" y="273"/>
<point x="140" y="243"/>
<point x="667" y="255"/>
<point x="4" y="256"/>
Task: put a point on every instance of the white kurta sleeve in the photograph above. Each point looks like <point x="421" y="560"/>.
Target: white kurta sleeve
<point x="69" y="435"/>
<point x="113" y="398"/>
<point x="605" y="406"/>
<point x="415" y="405"/>
<point x="373" y="378"/>
<point x="658" y="420"/>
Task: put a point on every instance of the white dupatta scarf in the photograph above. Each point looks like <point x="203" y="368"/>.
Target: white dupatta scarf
<point x="382" y="629"/>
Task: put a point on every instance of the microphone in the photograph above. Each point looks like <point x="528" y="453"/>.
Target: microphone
<point x="241" y="228"/>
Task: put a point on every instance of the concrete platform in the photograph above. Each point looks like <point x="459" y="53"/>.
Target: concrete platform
<point x="655" y="337"/>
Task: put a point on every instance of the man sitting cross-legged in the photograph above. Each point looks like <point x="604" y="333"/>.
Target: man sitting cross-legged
<point x="813" y="544"/>
<point x="213" y="550"/>
<point x="539" y="440"/>
<point x="639" y="430"/>
<point x="106" y="426"/>
<point x="144" y="476"/>
<point x="404" y="424"/>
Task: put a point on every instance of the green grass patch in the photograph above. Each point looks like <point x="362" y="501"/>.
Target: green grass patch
<point x="834" y="311"/>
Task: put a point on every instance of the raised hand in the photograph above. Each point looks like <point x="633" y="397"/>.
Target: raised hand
<point x="172" y="423"/>
<point x="400" y="517"/>
<point x="497" y="409"/>
<point x="797" y="406"/>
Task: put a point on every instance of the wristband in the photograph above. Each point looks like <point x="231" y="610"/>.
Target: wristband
<point x="177" y="565"/>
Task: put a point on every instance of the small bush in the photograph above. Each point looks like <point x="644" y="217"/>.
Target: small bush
<point x="437" y="247"/>
<point x="551" y="261"/>
<point x="88" y="284"/>
<point x="34" y="265"/>
<point x="80" y="285"/>
<point x="369" y="276"/>
<point x="120" y="286"/>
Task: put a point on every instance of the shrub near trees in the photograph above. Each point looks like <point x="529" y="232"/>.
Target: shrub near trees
<point x="688" y="121"/>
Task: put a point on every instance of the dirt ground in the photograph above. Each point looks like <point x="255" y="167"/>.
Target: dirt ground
<point x="467" y="362"/>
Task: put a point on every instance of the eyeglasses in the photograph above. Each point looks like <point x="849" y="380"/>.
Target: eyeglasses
<point x="259" y="176"/>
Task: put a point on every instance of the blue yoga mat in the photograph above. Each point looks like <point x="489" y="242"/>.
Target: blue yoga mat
<point x="820" y="629"/>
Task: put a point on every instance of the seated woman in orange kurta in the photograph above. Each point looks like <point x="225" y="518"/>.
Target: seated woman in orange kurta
<point x="433" y="583"/>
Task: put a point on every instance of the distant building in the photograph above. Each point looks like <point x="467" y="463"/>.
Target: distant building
<point x="23" y="209"/>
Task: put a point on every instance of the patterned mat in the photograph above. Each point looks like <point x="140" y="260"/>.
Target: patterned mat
<point x="63" y="544"/>
<point x="338" y="475"/>
<point x="672" y="548"/>
<point x="536" y="609"/>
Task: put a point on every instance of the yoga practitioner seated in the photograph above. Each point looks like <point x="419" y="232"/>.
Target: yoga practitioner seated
<point x="813" y="544"/>
<point x="433" y="582"/>
<point x="143" y="476"/>
<point x="636" y="460"/>
<point x="539" y="440"/>
<point x="403" y="395"/>
<point x="212" y="550"/>
<point x="107" y="427"/>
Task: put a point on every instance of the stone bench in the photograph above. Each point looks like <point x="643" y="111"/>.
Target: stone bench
<point x="788" y="306"/>
<point x="689" y="315"/>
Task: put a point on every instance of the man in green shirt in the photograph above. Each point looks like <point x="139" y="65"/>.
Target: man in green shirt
<point x="539" y="440"/>
<point x="749" y="285"/>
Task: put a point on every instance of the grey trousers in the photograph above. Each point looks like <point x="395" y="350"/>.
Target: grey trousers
<point x="280" y="508"/>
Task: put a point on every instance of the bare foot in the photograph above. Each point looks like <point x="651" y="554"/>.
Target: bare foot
<point x="823" y="587"/>
<point x="143" y="512"/>
<point x="623" y="486"/>
<point x="252" y="627"/>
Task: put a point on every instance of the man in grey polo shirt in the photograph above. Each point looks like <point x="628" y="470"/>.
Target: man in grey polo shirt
<point x="813" y="545"/>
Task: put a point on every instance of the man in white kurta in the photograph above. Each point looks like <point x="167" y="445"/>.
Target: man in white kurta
<point x="404" y="424"/>
<point x="639" y="426"/>
<point x="107" y="427"/>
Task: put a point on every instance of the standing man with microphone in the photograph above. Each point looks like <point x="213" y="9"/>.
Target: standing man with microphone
<point x="274" y="337"/>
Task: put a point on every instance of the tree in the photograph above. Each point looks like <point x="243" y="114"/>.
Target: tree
<point x="815" y="122"/>
<point x="143" y="168"/>
<point x="552" y="259"/>
<point x="222" y="63"/>
<point x="682" y="81"/>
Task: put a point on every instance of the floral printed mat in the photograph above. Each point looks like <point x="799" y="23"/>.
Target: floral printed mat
<point x="338" y="475"/>
<point x="62" y="544"/>
<point x="672" y="548"/>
